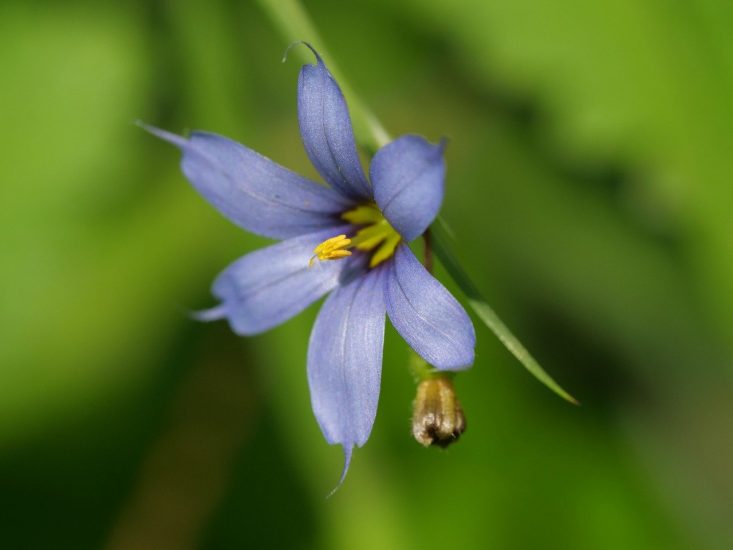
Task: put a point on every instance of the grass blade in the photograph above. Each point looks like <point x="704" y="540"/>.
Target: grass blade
<point x="488" y="315"/>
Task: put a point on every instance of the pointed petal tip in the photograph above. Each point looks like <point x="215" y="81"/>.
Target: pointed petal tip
<point x="348" y="451"/>
<point x="345" y="362"/>
<point x="175" y="139"/>
<point x="215" y="313"/>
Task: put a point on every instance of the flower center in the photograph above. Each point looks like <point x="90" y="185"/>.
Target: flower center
<point x="377" y="236"/>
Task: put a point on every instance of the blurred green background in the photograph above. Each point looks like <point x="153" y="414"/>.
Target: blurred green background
<point x="589" y="188"/>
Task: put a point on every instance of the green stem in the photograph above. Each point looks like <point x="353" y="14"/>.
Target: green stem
<point x="421" y="370"/>
<point x="428" y="251"/>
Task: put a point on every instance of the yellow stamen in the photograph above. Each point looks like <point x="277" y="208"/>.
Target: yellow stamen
<point x="331" y="249"/>
<point x="376" y="236"/>
<point x="385" y="250"/>
<point x="369" y="237"/>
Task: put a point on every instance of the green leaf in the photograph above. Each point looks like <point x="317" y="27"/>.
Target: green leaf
<point x="488" y="315"/>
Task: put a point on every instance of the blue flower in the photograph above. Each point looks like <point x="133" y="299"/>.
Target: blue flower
<point x="348" y="239"/>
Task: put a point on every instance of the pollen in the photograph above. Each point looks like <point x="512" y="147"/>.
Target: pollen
<point x="376" y="236"/>
<point x="334" y="248"/>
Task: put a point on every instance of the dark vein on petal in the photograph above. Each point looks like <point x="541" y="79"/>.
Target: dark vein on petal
<point x="345" y="325"/>
<point x="405" y="183"/>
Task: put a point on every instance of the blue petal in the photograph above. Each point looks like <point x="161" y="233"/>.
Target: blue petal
<point x="252" y="191"/>
<point x="326" y="130"/>
<point x="269" y="286"/>
<point x="408" y="178"/>
<point x="426" y="315"/>
<point x="345" y="361"/>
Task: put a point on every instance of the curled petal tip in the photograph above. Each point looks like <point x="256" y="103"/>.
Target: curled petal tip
<point x="287" y="50"/>
<point x="328" y="136"/>
<point x="298" y="43"/>
<point x="348" y="450"/>
<point x="213" y="314"/>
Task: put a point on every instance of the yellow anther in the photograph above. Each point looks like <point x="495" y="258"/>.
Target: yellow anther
<point x="375" y="236"/>
<point x="331" y="249"/>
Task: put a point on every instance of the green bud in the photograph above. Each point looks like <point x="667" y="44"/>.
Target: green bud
<point x="437" y="417"/>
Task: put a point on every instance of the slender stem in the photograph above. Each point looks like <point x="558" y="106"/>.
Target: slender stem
<point x="419" y="368"/>
<point x="422" y="370"/>
<point x="428" y="247"/>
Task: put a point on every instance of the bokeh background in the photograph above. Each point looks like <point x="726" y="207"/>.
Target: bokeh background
<point x="590" y="191"/>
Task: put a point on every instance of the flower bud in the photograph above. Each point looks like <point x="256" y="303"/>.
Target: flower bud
<point x="437" y="417"/>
